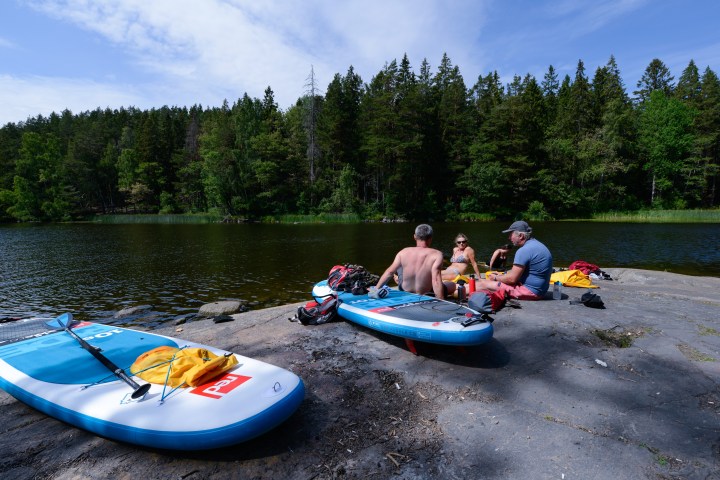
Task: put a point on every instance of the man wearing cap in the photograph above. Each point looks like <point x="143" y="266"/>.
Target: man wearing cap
<point x="529" y="277"/>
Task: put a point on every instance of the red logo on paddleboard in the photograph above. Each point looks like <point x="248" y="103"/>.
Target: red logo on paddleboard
<point x="382" y="309"/>
<point x="222" y="387"/>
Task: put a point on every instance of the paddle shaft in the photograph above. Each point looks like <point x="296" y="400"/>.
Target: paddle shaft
<point x="119" y="372"/>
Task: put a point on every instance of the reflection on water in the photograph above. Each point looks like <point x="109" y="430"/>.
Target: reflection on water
<point x="96" y="270"/>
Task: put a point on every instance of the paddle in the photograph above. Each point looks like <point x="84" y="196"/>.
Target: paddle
<point x="65" y="320"/>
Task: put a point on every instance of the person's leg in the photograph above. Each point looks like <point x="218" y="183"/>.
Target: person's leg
<point x="521" y="292"/>
<point x="450" y="273"/>
<point x="485" y="284"/>
<point x="449" y="288"/>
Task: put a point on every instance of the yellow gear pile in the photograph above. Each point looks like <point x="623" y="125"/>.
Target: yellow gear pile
<point x="176" y="367"/>
<point x="572" y="278"/>
<point x="464" y="278"/>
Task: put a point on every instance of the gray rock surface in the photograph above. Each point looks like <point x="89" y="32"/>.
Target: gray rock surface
<point x="223" y="307"/>
<point x="552" y="396"/>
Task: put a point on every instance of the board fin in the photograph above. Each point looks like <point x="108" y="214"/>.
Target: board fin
<point x="411" y="346"/>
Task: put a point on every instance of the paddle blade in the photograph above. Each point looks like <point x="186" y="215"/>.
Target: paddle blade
<point x="140" y="392"/>
<point x="63" y="321"/>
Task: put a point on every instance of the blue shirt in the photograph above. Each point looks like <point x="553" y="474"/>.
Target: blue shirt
<point x="537" y="260"/>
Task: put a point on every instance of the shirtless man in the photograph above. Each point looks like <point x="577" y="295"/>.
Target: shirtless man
<point x="418" y="268"/>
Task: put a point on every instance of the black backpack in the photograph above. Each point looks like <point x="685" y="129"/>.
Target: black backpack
<point x="314" y="313"/>
<point x="589" y="299"/>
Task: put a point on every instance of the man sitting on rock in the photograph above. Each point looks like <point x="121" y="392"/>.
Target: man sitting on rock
<point x="529" y="277"/>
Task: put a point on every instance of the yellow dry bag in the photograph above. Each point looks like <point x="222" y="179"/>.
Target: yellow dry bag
<point x="572" y="278"/>
<point x="176" y="367"/>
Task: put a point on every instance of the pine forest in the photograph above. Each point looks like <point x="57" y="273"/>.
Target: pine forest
<point x="412" y="143"/>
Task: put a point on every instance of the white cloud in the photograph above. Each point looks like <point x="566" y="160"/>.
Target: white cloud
<point x="4" y="43"/>
<point x="27" y="97"/>
<point x="236" y="46"/>
<point x="183" y="52"/>
<point x="585" y="17"/>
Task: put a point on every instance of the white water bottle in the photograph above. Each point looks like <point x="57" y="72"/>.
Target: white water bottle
<point x="557" y="291"/>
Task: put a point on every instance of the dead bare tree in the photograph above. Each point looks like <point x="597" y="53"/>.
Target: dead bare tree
<point x="311" y="117"/>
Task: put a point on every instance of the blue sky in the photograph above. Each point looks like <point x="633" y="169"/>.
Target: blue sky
<point x="84" y="54"/>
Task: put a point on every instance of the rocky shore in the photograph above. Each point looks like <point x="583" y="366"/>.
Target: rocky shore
<point x="562" y="392"/>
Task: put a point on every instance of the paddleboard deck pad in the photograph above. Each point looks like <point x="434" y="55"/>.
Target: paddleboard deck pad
<point x="412" y="316"/>
<point x="49" y="370"/>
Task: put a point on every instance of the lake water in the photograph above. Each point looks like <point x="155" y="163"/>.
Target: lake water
<point x="96" y="270"/>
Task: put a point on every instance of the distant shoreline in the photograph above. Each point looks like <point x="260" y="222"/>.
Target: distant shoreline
<point x="641" y="216"/>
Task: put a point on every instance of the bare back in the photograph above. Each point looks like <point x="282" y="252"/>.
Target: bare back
<point x="420" y="265"/>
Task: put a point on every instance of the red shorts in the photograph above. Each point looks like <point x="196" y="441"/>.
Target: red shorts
<point x="519" y="292"/>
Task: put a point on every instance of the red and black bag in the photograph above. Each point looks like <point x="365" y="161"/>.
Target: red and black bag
<point x="487" y="301"/>
<point x="338" y="278"/>
<point x="350" y="278"/>
<point x="314" y="313"/>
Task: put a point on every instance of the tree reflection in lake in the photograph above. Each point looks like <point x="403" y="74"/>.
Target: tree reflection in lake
<point x="94" y="270"/>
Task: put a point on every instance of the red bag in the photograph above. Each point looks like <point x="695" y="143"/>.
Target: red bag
<point x="338" y="278"/>
<point x="314" y="313"/>
<point x="583" y="266"/>
<point x="487" y="301"/>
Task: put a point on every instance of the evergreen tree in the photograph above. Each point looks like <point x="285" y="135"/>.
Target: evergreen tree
<point x="269" y="165"/>
<point x="487" y="166"/>
<point x="338" y="130"/>
<point x="38" y="192"/>
<point x="378" y="120"/>
<point x="604" y="152"/>
<point x="224" y="173"/>
<point x="666" y="141"/>
<point x="582" y="111"/>
<point x="298" y="178"/>
<point x="707" y="149"/>
<point x="455" y="121"/>
<point x="190" y="193"/>
<point x="550" y="88"/>
<point x="656" y="77"/>
<point x="410" y="175"/>
<point x="688" y="87"/>
<point x="10" y="141"/>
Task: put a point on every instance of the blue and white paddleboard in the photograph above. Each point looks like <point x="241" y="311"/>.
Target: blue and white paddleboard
<point x="413" y="317"/>
<point x="49" y="370"/>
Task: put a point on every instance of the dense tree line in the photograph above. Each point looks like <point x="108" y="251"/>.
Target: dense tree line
<point x="415" y="145"/>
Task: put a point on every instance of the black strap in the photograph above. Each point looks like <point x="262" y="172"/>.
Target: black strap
<point x="475" y="319"/>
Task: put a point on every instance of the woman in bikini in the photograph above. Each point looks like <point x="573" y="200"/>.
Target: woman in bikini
<point x="499" y="258"/>
<point x="462" y="256"/>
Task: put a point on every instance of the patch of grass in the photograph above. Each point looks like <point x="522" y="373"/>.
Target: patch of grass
<point x="320" y="218"/>
<point x="476" y="217"/>
<point x="692" y="353"/>
<point x="708" y="331"/>
<point x="158" y="218"/>
<point x="661" y="216"/>
<point x="618" y="338"/>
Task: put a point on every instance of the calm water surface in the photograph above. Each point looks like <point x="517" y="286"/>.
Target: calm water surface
<point x="94" y="271"/>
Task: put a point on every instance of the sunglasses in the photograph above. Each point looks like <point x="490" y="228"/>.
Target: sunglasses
<point x="460" y="242"/>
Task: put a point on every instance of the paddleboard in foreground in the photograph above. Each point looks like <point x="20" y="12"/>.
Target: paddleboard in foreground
<point x="55" y="372"/>
<point x="413" y="317"/>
